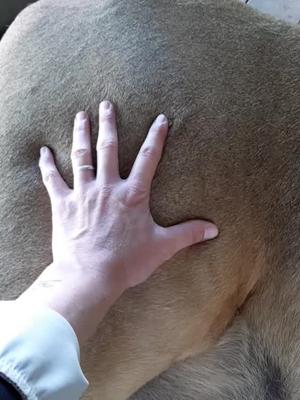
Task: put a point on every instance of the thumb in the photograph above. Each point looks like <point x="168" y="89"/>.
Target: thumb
<point x="188" y="233"/>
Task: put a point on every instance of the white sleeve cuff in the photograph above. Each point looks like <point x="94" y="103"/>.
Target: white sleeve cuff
<point x="39" y="353"/>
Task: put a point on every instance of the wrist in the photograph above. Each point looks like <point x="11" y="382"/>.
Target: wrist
<point x="80" y="294"/>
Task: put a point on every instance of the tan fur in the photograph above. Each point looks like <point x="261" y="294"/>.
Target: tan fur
<point x="228" y="79"/>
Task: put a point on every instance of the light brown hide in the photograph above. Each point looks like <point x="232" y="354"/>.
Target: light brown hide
<point x="228" y="79"/>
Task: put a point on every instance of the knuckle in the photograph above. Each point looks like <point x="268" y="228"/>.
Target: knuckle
<point x="136" y="193"/>
<point x="106" y="116"/>
<point x="193" y="236"/>
<point x="79" y="153"/>
<point x="105" y="190"/>
<point x="158" y="132"/>
<point x="49" y="175"/>
<point x="107" y="145"/>
<point x="149" y="151"/>
<point x="196" y="235"/>
<point x="81" y="130"/>
<point x="65" y="207"/>
<point x="81" y="126"/>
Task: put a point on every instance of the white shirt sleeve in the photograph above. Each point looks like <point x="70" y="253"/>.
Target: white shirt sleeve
<point x="39" y="353"/>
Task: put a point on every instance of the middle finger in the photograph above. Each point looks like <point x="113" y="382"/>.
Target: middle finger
<point x="81" y="155"/>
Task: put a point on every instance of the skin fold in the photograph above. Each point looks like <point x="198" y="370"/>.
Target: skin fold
<point x="228" y="81"/>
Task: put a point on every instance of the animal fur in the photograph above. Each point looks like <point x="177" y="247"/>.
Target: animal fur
<point x="8" y="11"/>
<point x="228" y="79"/>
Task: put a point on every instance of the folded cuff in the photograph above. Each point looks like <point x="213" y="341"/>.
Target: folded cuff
<point x="39" y="353"/>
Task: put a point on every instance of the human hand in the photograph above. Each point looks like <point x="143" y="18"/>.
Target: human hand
<point x="108" y="218"/>
<point x="103" y="232"/>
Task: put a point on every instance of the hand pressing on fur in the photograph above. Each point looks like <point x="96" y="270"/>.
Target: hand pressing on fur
<point x="104" y="237"/>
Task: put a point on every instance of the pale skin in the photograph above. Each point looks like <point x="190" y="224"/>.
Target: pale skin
<point x="104" y="237"/>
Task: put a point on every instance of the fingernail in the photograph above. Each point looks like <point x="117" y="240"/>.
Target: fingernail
<point x="43" y="151"/>
<point x="105" y="105"/>
<point x="210" y="232"/>
<point x="81" y="116"/>
<point x="161" y="119"/>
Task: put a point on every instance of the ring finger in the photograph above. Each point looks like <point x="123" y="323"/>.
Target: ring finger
<point x="81" y="156"/>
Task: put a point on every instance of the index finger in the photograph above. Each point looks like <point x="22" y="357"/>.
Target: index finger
<point x="150" y="153"/>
